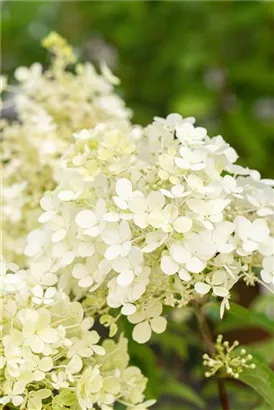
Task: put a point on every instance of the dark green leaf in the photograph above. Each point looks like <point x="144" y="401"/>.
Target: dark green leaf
<point x="180" y="390"/>
<point x="240" y="317"/>
<point x="260" y="379"/>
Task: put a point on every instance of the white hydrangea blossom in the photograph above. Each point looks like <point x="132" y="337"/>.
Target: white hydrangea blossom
<point x="51" y="357"/>
<point x="154" y="217"/>
<point x="50" y="106"/>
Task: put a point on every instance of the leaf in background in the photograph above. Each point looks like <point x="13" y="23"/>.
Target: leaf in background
<point x="263" y="349"/>
<point x="144" y="357"/>
<point x="260" y="379"/>
<point x="264" y="303"/>
<point x="174" y="407"/>
<point x="176" y="389"/>
<point x="240" y="317"/>
<point x="170" y="343"/>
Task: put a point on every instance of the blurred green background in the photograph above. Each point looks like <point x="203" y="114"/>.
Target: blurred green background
<point x="212" y="60"/>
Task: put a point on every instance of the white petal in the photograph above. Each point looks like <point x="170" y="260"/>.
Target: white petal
<point x="154" y="310"/>
<point x="120" y="202"/>
<point x="48" y="335"/>
<point x="202" y="288"/>
<point x="137" y="317"/>
<point x="125" y="248"/>
<point x="49" y="279"/>
<point x="59" y="250"/>
<point x="179" y="253"/>
<point x="120" y="264"/>
<point x="128" y="309"/>
<point x="158" y="324"/>
<point x="220" y="291"/>
<point x="79" y="271"/>
<point x="99" y="350"/>
<point x="45" y="217"/>
<point x="112" y="252"/>
<point x="46" y="364"/>
<point x="168" y="265"/>
<point x="135" y="256"/>
<point x="268" y="263"/>
<point x="86" y="219"/>
<point x="141" y="220"/>
<point x="104" y="266"/>
<point x="86" y="249"/>
<point x="50" y="292"/>
<point x="155" y="200"/>
<point x="170" y="212"/>
<point x="37" y="301"/>
<point x="85" y="282"/>
<point x="74" y="365"/>
<point x="167" y="193"/>
<point x="137" y="204"/>
<point x="67" y="258"/>
<point x="265" y="212"/>
<point x="182" y="163"/>
<point x="182" y="224"/>
<point x="156" y="218"/>
<point x="195" y="265"/>
<point x="125" y="278"/>
<point x="260" y="230"/>
<point x="124" y="231"/>
<point x="184" y="275"/>
<point x="123" y="188"/>
<point x="35" y="343"/>
<point x="93" y="232"/>
<point x="66" y="195"/>
<point x="59" y="235"/>
<point x="17" y="400"/>
<point x="200" y="132"/>
<point x="218" y="277"/>
<point x="142" y="332"/>
<point x="177" y="190"/>
<point x="32" y="249"/>
<point x="110" y="234"/>
<point x="250" y="246"/>
<point x="267" y="277"/>
<point x="37" y="291"/>
<point x="111" y="217"/>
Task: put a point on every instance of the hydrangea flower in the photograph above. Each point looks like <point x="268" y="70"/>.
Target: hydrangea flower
<point x="51" y="105"/>
<point x="135" y="228"/>
<point x="51" y="356"/>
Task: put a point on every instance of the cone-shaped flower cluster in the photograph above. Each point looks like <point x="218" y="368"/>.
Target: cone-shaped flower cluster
<point x="146" y="218"/>
<point x="50" y="106"/>
<point x="110" y="219"/>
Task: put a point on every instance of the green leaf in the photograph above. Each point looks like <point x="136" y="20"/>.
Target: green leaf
<point x="263" y="303"/>
<point x="263" y="349"/>
<point x="260" y="379"/>
<point x="170" y="342"/>
<point x="176" y="389"/>
<point x="263" y="407"/>
<point x="240" y="317"/>
<point x="179" y="407"/>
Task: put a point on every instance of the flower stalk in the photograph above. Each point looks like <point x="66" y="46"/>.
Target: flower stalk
<point x="206" y="336"/>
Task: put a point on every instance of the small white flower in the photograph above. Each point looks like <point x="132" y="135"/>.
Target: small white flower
<point x="254" y="235"/>
<point x="117" y="236"/>
<point x="146" y="321"/>
<point x="43" y="297"/>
